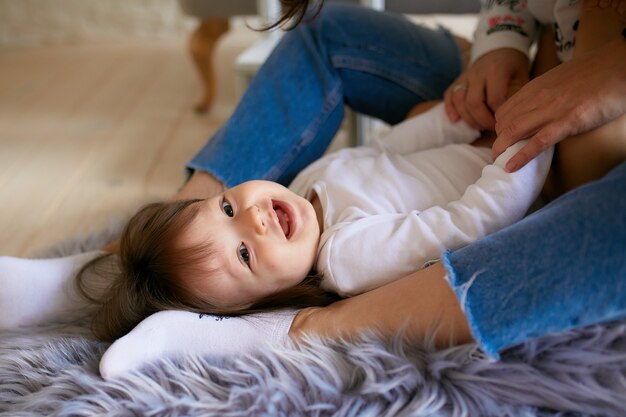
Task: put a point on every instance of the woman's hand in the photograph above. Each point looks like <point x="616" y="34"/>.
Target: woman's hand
<point x="573" y="98"/>
<point x="485" y="85"/>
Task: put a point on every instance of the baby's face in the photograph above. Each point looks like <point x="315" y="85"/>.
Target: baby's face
<point x="266" y="239"/>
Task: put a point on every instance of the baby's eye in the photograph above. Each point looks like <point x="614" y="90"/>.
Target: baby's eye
<point x="227" y="208"/>
<point x="244" y="254"/>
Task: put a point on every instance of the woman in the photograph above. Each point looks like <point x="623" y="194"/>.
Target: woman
<point x="470" y="293"/>
<point x="560" y="268"/>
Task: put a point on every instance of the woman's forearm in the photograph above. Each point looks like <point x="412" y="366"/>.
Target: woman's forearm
<point x="419" y="304"/>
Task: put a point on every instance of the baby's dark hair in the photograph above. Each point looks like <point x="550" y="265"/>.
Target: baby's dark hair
<point x="151" y="268"/>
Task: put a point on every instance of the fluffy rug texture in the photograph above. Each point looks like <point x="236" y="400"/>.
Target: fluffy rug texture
<point x="53" y="370"/>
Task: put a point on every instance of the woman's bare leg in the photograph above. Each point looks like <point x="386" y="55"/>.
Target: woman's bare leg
<point x="419" y="304"/>
<point x="200" y="185"/>
<point x="587" y="157"/>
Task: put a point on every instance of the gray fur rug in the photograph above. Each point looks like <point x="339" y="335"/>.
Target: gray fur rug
<point x="53" y="371"/>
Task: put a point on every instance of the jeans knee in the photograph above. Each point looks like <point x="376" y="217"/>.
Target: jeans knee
<point x="315" y="30"/>
<point x="334" y="12"/>
<point x="333" y="17"/>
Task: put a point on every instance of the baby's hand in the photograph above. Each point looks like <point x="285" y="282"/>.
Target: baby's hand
<point x="169" y="334"/>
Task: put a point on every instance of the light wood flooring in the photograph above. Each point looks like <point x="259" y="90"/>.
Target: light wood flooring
<point x="91" y="131"/>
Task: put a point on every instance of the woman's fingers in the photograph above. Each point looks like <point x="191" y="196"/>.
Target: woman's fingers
<point x="477" y="107"/>
<point x="453" y="115"/>
<point x="538" y="143"/>
<point x="499" y="90"/>
<point x="523" y="156"/>
<point x="484" y="86"/>
<point x="458" y="100"/>
<point x="524" y="126"/>
<point x="451" y="98"/>
<point x="455" y="99"/>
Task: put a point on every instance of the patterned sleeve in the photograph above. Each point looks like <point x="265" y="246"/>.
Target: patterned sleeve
<point x="503" y="24"/>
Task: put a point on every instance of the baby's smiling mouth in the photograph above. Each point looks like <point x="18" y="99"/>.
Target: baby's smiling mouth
<point x="283" y="218"/>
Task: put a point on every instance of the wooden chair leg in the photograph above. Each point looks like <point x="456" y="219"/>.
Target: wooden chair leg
<point x="201" y="46"/>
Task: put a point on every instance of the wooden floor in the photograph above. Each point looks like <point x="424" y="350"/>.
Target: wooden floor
<point x="89" y="132"/>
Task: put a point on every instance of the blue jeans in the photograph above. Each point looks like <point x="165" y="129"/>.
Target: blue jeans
<point x="379" y="64"/>
<point x="561" y="268"/>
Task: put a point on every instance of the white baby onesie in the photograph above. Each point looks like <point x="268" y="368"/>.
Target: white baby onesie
<point x="401" y="201"/>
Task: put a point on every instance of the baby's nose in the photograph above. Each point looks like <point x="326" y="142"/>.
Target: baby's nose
<point x="255" y="217"/>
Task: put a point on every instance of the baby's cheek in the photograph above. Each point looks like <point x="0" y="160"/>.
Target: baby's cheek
<point x="273" y="264"/>
<point x="278" y="264"/>
<point x="290" y="268"/>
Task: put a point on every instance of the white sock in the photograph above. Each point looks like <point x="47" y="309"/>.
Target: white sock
<point x="39" y="291"/>
<point x="177" y="333"/>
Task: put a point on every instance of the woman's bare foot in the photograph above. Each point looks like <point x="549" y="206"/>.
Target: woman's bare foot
<point x="200" y="185"/>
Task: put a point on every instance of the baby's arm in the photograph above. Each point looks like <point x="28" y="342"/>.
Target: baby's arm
<point x="379" y="249"/>
<point x="431" y="129"/>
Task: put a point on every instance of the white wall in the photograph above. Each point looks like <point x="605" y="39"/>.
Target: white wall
<point x="35" y="22"/>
